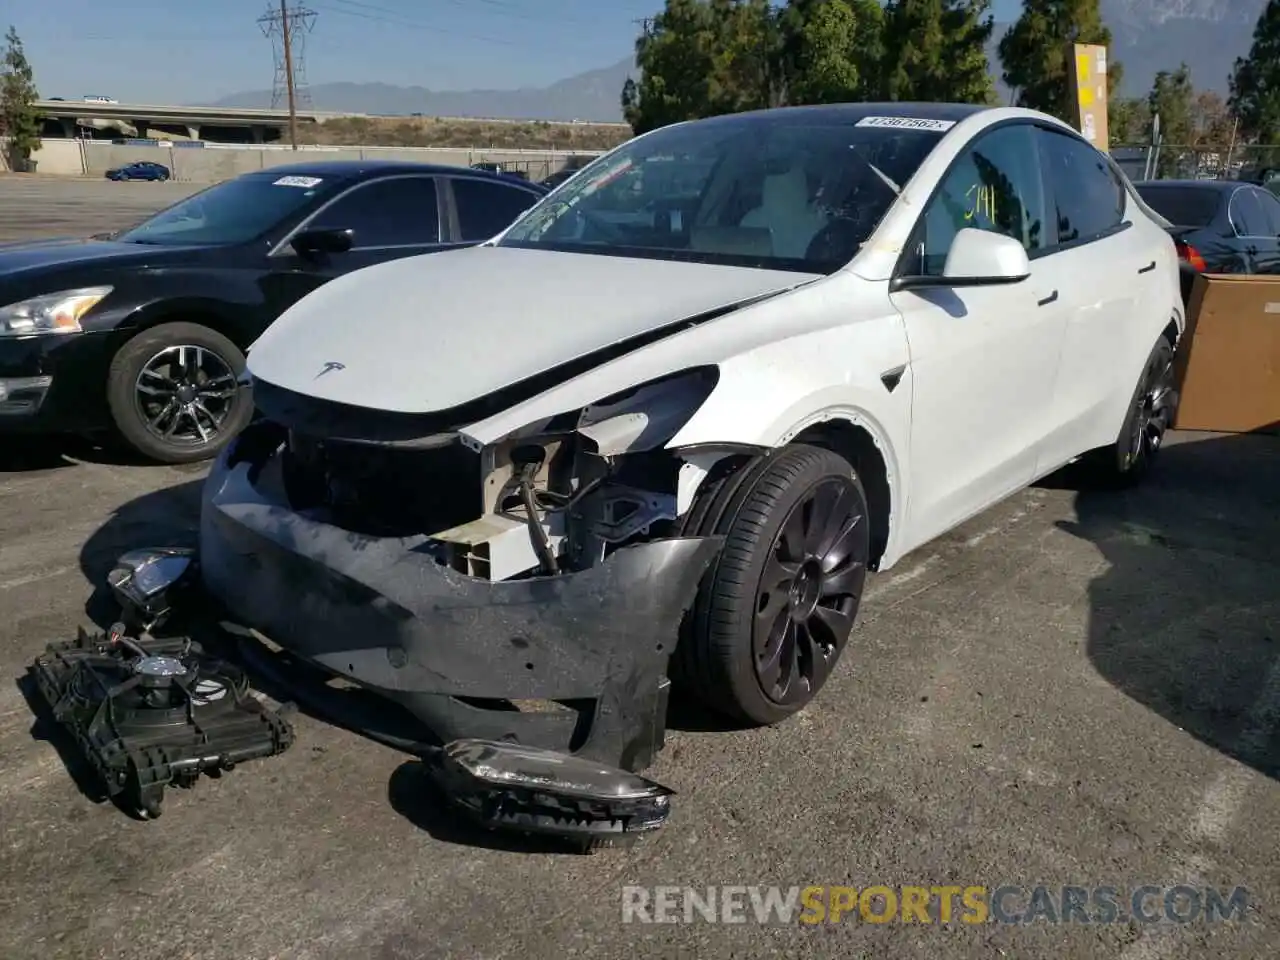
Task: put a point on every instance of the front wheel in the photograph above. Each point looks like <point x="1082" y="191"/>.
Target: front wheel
<point x="174" y="392"/>
<point x="776" y="610"/>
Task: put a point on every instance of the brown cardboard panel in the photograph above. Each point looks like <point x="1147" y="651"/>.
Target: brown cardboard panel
<point x="1087" y="76"/>
<point x="1228" y="369"/>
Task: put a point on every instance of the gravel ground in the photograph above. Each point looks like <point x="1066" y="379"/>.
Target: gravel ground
<point x="1071" y="690"/>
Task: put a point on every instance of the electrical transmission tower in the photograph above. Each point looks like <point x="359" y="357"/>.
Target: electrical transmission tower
<point x="287" y="27"/>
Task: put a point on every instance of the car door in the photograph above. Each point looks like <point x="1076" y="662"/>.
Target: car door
<point x="1111" y="272"/>
<point x="1259" y="227"/>
<point x="982" y="357"/>
<point x="481" y="208"/>
<point x="389" y="218"/>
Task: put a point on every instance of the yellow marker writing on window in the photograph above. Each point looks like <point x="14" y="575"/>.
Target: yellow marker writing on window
<point x="982" y="203"/>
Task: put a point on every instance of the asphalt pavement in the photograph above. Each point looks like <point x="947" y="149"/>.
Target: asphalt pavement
<point x="1074" y="689"/>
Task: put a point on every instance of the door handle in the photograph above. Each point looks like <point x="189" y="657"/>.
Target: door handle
<point x="1148" y="268"/>
<point x="1047" y="300"/>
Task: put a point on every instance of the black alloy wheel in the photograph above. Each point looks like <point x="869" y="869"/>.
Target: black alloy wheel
<point x="808" y="595"/>
<point x="1150" y="416"/>
<point x="184" y="394"/>
<point x="775" y="610"/>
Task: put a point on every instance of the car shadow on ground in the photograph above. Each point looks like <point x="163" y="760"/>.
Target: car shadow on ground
<point x="21" y="453"/>
<point x="1185" y="619"/>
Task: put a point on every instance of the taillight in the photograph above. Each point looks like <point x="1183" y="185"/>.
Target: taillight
<point x="1190" y="255"/>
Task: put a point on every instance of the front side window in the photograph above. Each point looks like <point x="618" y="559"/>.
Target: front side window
<point x="781" y="191"/>
<point x="1089" y="198"/>
<point x="394" y="212"/>
<point x="994" y="185"/>
<point x="233" y="212"/>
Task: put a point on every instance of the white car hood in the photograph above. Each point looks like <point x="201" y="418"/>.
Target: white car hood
<point x="432" y="332"/>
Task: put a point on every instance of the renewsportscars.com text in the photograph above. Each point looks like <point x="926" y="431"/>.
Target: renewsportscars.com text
<point x="971" y="904"/>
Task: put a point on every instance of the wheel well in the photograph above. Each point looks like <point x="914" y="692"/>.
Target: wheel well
<point x="856" y="445"/>
<point x="205" y="318"/>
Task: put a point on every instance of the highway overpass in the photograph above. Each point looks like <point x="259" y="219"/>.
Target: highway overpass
<point x="260" y="124"/>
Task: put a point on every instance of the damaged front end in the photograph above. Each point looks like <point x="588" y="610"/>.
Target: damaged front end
<point x="526" y="593"/>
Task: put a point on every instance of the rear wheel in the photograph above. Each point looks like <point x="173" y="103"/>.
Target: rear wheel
<point x="174" y="394"/>
<point x="775" y="611"/>
<point x="1151" y="412"/>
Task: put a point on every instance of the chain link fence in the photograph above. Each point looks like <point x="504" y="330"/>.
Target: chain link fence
<point x="1167" y="161"/>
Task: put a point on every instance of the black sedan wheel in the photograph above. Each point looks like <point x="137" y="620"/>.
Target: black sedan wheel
<point x="777" y="608"/>
<point x="174" y="392"/>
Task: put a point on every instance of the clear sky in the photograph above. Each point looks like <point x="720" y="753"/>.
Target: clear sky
<point x="190" y="51"/>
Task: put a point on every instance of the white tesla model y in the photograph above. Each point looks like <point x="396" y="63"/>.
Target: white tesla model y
<point x="667" y="421"/>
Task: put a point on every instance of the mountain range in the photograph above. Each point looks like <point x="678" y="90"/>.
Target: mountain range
<point x="1148" y="36"/>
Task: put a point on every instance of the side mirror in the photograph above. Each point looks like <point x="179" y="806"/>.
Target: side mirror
<point x="977" y="258"/>
<point x="311" y="242"/>
<point x="982" y="257"/>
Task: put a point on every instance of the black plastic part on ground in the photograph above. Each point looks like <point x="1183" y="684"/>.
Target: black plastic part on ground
<point x="143" y="731"/>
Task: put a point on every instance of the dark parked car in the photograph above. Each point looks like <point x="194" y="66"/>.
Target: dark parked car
<point x="559" y="177"/>
<point x="1219" y="226"/>
<point x="144" y="332"/>
<point x="140" y="170"/>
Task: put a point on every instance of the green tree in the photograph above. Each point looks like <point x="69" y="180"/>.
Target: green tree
<point x="831" y="50"/>
<point x="1172" y="99"/>
<point x="745" y="73"/>
<point x="676" y="56"/>
<point x="823" y="41"/>
<point x="1034" y="53"/>
<point x="1255" y="82"/>
<point x="936" y="50"/>
<point x="1129" y="120"/>
<point x="18" y="119"/>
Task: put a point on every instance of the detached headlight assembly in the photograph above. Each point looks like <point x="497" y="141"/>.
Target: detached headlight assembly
<point x="51" y="313"/>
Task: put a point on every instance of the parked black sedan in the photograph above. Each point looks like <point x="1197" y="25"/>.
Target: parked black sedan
<point x="1220" y="226"/>
<point x="144" y="332"/>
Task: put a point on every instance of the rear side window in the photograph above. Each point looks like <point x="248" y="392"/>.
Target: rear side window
<point x="1182" y="206"/>
<point x="486" y="208"/>
<point x="1089" y="199"/>
<point x="1270" y="211"/>
<point x="1248" y="215"/>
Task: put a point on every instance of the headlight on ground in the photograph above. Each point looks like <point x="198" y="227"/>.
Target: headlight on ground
<point x="51" y="313"/>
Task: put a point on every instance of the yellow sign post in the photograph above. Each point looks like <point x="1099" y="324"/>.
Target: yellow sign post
<point x="1087" y="75"/>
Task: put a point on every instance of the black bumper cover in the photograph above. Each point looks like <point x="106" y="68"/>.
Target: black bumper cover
<point x="383" y="613"/>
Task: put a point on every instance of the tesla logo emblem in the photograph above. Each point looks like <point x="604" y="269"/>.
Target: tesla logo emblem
<point x="329" y="367"/>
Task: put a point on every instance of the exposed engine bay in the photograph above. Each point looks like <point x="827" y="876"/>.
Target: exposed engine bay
<point x="556" y="497"/>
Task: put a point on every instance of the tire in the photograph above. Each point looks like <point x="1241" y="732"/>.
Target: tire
<point x="756" y="603"/>
<point x="1129" y="461"/>
<point x="189" y="372"/>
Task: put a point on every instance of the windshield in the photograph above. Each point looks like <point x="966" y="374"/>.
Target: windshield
<point x="1183" y="206"/>
<point x="781" y="191"/>
<point x="232" y="212"/>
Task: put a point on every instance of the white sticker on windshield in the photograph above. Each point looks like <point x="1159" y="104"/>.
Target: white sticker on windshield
<point x="906" y="123"/>
<point x="306" y="182"/>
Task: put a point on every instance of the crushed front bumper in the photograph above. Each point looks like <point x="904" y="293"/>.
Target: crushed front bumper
<point x="454" y="650"/>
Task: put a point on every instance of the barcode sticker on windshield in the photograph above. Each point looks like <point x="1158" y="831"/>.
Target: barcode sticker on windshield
<point x="306" y="182"/>
<point x="906" y="123"/>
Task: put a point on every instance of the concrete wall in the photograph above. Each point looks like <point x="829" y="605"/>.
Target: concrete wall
<point x="212" y="163"/>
